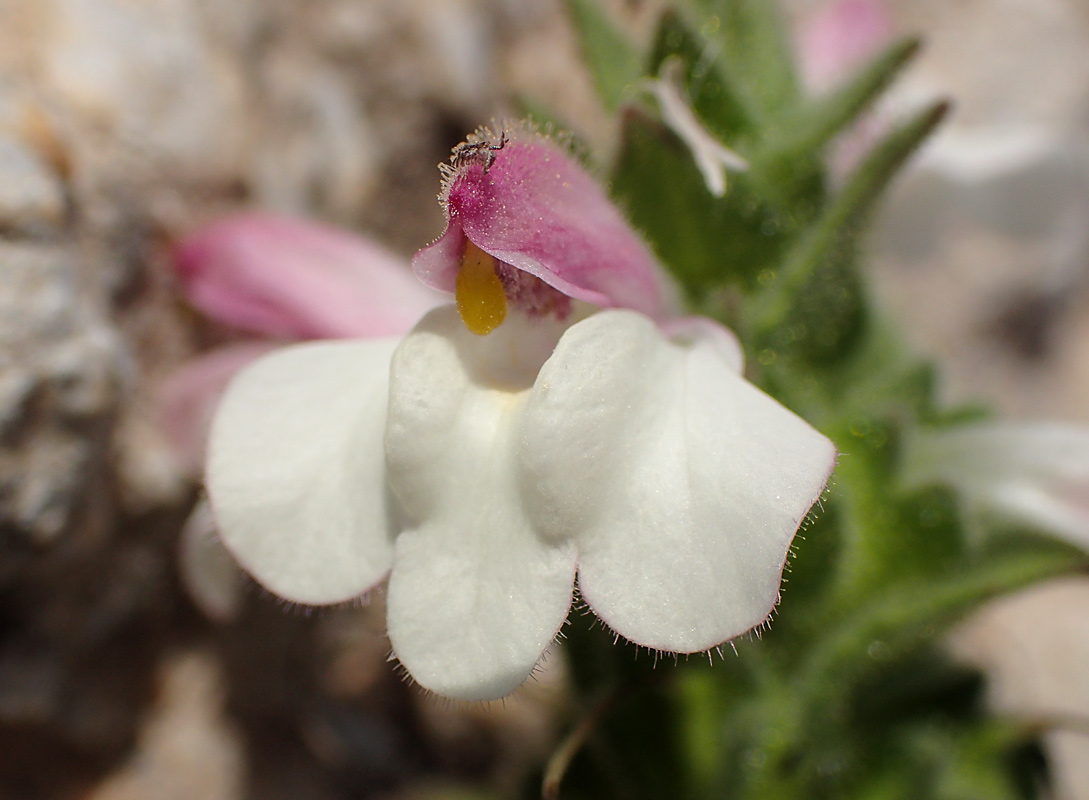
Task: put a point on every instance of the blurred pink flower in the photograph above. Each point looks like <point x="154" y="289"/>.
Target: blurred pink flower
<point x="839" y="37"/>
<point x="832" y="43"/>
<point x="1032" y="473"/>
<point x="291" y="279"/>
<point x="285" y="279"/>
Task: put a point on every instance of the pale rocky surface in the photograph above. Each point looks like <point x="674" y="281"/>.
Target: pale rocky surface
<point x="1035" y="648"/>
<point x="984" y="249"/>
<point x="186" y="747"/>
<point x="125" y="123"/>
<point x="62" y="370"/>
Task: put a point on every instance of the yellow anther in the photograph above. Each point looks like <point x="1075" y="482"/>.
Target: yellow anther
<point x="481" y="300"/>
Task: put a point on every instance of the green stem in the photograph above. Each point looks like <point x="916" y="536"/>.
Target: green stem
<point x="572" y="743"/>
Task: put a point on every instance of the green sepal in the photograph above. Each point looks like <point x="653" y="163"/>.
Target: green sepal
<point x="832" y="238"/>
<point x="813" y="126"/>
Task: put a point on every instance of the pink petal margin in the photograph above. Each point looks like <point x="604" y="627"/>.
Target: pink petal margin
<point x="704" y="329"/>
<point x="294" y="279"/>
<point x="187" y="400"/>
<point x="536" y="209"/>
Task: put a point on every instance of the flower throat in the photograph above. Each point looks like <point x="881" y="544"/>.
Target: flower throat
<point x="480" y="296"/>
<point x="485" y="286"/>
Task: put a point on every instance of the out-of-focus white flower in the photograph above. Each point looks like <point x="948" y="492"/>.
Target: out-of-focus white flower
<point x="1026" y="183"/>
<point x="1036" y="474"/>
<point x="207" y="570"/>
<point x="833" y="42"/>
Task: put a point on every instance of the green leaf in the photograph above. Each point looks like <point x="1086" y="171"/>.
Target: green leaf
<point x="707" y="242"/>
<point x="720" y="104"/>
<point x="977" y="763"/>
<point x="698" y="699"/>
<point x="926" y="683"/>
<point x="830" y="310"/>
<point x="879" y="377"/>
<point x="835" y="233"/>
<point x="615" y="64"/>
<point x="806" y="578"/>
<point x="755" y="49"/>
<point x="911" y="613"/>
<point x="813" y="127"/>
<point x="887" y="537"/>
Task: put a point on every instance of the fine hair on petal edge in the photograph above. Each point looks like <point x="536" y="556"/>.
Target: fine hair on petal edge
<point x="580" y="605"/>
<point x="513" y="128"/>
<point x="807" y="522"/>
<point x="307" y="610"/>
<point x="446" y="702"/>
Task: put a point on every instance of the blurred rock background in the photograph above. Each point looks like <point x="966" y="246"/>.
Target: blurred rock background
<point x="126" y="123"/>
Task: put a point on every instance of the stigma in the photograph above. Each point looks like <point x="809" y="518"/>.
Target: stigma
<point x="480" y="295"/>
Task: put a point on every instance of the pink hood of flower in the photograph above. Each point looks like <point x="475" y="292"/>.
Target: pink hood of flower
<point x="526" y="202"/>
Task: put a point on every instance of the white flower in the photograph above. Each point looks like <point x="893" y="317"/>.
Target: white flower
<point x="1034" y="473"/>
<point x="483" y="473"/>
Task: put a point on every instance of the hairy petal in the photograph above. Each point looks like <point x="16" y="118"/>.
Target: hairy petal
<point x="290" y="278"/>
<point x="296" y="473"/>
<point x="536" y="209"/>
<point x="475" y="597"/>
<point x="682" y="483"/>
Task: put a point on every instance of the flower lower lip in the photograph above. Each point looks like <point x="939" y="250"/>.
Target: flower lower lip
<point x="640" y="460"/>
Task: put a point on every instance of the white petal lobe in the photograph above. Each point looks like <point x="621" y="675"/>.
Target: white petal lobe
<point x="296" y="470"/>
<point x="475" y="596"/>
<point x="682" y="483"/>
<point x="1034" y="472"/>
